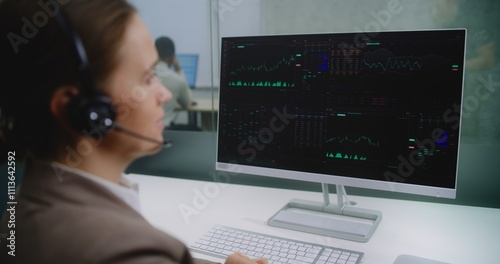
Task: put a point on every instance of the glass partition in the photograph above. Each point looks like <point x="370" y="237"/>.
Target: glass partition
<point x="199" y="25"/>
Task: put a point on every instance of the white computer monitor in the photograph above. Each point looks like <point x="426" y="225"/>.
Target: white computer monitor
<point x="189" y="64"/>
<point x="377" y="110"/>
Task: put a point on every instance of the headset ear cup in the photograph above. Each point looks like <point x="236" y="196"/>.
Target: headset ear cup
<point x="93" y="114"/>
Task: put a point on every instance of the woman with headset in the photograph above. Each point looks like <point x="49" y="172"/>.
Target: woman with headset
<point x="79" y="103"/>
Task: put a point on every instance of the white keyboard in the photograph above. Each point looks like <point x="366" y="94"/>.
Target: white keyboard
<point x="221" y="241"/>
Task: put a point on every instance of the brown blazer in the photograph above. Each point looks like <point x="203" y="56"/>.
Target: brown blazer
<point x="69" y="219"/>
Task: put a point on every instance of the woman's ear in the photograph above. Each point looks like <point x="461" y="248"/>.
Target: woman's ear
<point x="60" y="100"/>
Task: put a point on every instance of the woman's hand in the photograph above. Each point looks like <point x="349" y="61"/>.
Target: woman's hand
<point x="238" y="258"/>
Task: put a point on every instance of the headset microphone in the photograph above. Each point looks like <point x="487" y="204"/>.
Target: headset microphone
<point x="118" y="128"/>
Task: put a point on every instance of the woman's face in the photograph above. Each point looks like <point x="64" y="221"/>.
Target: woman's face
<point x="136" y="93"/>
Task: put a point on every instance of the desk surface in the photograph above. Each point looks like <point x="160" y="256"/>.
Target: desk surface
<point x="204" y="105"/>
<point x="449" y="233"/>
<point x="206" y="100"/>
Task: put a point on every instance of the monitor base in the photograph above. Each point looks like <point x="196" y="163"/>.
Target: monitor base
<point x="340" y="220"/>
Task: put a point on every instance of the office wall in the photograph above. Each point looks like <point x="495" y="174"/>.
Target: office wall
<point x="303" y="16"/>
<point x="239" y="17"/>
<point x="188" y="23"/>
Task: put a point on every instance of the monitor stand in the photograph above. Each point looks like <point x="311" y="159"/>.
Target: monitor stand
<point x="340" y="220"/>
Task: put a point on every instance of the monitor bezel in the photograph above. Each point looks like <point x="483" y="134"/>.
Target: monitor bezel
<point x="390" y="186"/>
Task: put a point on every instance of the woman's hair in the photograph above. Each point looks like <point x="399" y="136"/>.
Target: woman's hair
<point x="165" y="47"/>
<point x="38" y="58"/>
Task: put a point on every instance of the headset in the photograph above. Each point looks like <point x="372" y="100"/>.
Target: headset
<point x="91" y="111"/>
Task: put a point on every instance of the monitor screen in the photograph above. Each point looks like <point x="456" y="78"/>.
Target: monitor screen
<point x="189" y="64"/>
<point x="378" y="110"/>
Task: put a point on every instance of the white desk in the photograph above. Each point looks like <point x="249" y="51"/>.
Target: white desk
<point x="204" y="106"/>
<point x="448" y="233"/>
